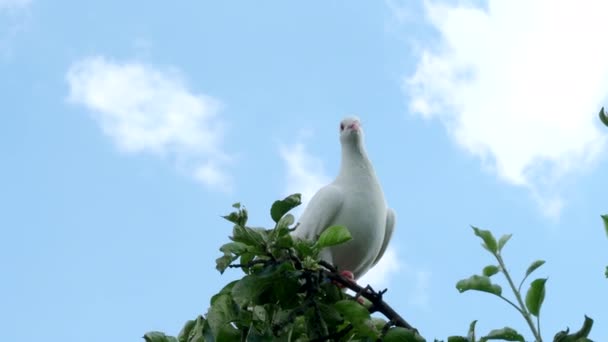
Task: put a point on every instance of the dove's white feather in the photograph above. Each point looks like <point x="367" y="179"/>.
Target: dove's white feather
<point x="355" y="200"/>
<point x="388" y="234"/>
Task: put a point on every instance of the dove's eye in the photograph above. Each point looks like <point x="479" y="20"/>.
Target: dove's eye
<point x="341" y="126"/>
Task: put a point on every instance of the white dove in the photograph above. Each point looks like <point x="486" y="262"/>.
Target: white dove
<point x="354" y="200"/>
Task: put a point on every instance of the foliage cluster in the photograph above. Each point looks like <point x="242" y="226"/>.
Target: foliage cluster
<point x="288" y="294"/>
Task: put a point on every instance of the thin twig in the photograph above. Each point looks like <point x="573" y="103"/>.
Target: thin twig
<point x="522" y="307"/>
<point x="251" y="263"/>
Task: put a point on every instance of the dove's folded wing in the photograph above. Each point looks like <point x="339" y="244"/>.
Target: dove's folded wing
<point x="388" y="233"/>
<point x="320" y="212"/>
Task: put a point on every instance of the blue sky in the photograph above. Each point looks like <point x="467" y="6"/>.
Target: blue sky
<point x="130" y="127"/>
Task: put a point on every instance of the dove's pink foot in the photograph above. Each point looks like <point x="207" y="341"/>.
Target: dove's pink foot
<point x="351" y="277"/>
<point x="348" y="275"/>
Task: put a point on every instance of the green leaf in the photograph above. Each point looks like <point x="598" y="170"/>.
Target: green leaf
<point x="285" y="288"/>
<point x="605" y="219"/>
<point x="458" y="339"/>
<point x="489" y="242"/>
<point x="603" y="117"/>
<point x="237" y="217"/>
<point x="282" y="227"/>
<point x="535" y="296"/>
<point x="379" y="323"/>
<point x="333" y="235"/>
<point x="490" y="270"/>
<point x="237" y="248"/>
<point x="227" y="333"/>
<point x="259" y="313"/>
<point x="246" y="258"/>
<point x="255" y="237"/>
<point x="272" y="284"/>
<point x="226" y="290"/>
<point x="222" y="263"/>
<point x="505" y="334"/>
<point x="331" y="293"/>
<point x="399" y="334"/>
<point x="255" y="335"/>
<point x="207" y="333"/>
<point x="471" y="334"/>
<point x="356" y="314"/>
<point x="305" y="248"/>
<point x="352" y="310"/>
<point x="193" y="331"/>
<point x="285" y="241"/>
<point x="330" y="314"/>
<point x="157" y="336"/>
<point x="221" y="314"/>
<point x="478" y="283"/>
<point x="249" y="288"/>
<point x="534" y="266"/>
<point x="579" y="336"/>
<point x="280" y="208"/>
<point x="503" y="241"/>
<point x="187" y="331"/>
<point x="284" y="223"/>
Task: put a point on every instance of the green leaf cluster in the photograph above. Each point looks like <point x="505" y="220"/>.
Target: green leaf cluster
<point x="285" y="293"/>
<point x="529" y="306"/>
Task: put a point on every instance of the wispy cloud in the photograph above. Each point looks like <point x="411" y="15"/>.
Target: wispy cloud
<point x="418" y="279"/>
<point x="13" y="4"/>
<point x="519" y="84"/>
<point x="144" y="109"/>
<point x="380" y="275"/>
<point x="305" y="172"/>
<point x="419" y="297"/>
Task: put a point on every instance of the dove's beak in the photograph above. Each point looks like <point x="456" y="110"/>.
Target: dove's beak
<point x="354" y="126"/>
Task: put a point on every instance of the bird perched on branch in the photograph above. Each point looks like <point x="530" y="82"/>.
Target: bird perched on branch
<point x="354" y="200"/>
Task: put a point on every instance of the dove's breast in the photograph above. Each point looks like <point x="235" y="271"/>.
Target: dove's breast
<point x="364" y="214"/>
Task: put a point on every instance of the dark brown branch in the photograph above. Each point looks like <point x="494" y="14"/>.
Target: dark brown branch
<point x="378" y="304"/>
<point x="251" y="263"/>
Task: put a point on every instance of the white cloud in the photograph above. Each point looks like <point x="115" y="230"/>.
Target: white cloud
<point x="305" y="172"/>
<point x="518" y="84"/>
<point x="418" y="279"/>
<point x="212" y="176"/>
<point x="401" y="12"/>
<point x="147" y="110"/>
<point x="379" y="276"/>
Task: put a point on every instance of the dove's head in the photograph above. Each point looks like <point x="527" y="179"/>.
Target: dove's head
<point x="351" y="131"/>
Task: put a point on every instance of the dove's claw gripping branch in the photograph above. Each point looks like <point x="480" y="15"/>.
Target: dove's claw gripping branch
<point x="347" y="275"/>
<point x="378" y="304"/>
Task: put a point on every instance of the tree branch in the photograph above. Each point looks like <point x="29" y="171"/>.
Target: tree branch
<point x="378" y="304"/>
